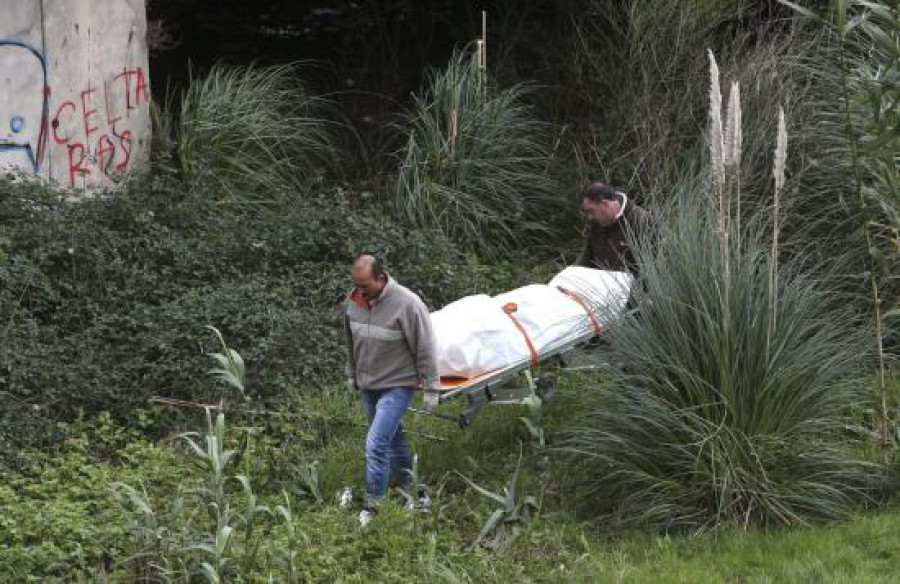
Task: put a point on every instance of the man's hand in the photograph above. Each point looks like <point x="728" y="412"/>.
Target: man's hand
<point x="351" y="384"/>
<point x="431" y="400"/>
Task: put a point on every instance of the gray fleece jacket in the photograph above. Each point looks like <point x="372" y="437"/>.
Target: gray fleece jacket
<point x="390" y="341"/>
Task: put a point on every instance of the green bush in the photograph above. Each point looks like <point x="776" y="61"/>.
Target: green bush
<point x="105" y="300"/>
<point x="642" y="102"/>
<point x="58" y="519"/>
<point x="716" y="414"/>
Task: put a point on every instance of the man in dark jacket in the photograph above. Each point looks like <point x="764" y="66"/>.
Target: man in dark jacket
<point x="612" y="217"/>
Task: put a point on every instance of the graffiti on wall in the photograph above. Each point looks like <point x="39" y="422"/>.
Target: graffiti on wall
<point x="75" y="127"/>
<point x="93" y="127"/>
<point x="24" y="106"/>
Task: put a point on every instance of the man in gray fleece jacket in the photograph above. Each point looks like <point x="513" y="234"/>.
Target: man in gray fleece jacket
<point x="390" y="352"/>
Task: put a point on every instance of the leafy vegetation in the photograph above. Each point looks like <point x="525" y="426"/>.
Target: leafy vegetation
<point x="67" y="516"/>
<point x="732" y="400"/>
<point x="740" y="401"/>
<point x="860" y="130"/>
<point x="114" y="292"/>
<point x="640" y="107"/>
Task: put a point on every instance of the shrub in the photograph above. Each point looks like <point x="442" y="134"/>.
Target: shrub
<point x="115" y="292"/>
<point x="735" y="383"/>
<point x="475" y="165"/>
<point x="716" y="414"/>
<point x="639" y="65"/>
<point x="251" y="133"/>
<point x="58" y="520"/>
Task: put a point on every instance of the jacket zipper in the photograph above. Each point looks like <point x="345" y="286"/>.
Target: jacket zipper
<point x="369" y="342"/>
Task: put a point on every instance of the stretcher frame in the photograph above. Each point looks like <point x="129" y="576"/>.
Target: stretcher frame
<point x="499" y="387"/>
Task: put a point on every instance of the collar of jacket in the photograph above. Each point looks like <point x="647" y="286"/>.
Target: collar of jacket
<point x="385" y="292"/>
<point x="621" y="212"/>
<point x="624" y="213"/>
<point x="363" y="302"/>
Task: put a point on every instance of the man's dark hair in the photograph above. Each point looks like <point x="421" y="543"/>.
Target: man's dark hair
<point x="378" y="268"/>
<point x="377" y="265"/>
<point x="599" y="191"/>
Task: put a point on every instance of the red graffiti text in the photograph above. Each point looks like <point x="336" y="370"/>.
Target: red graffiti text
<point x="93" y="127"/>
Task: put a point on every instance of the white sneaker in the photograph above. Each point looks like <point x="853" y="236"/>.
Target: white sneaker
<point x="365" y="517"/>
<point x="423" y="504"/>
<point x="346" y="498"/>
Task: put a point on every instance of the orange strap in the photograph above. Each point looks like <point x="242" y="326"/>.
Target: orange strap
<point x="581" y="302"/>
<point x="509" y="308"/>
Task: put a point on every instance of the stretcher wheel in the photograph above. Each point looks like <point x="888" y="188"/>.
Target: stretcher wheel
<point x="546" y="387"/>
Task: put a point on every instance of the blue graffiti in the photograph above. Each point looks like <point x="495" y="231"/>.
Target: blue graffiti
<point x="35" y="151"/>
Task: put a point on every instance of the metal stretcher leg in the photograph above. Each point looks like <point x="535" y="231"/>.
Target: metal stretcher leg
<point x="474" y="406"/>
<point x="545" y="386"/>
<point x="504" y="389"/>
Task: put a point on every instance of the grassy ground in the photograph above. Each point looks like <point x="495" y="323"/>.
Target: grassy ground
<point x="60" y="521"/>
<point x="861" y="550"/>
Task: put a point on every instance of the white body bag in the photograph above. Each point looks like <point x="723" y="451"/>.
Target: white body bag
<point x="479" y="334"/>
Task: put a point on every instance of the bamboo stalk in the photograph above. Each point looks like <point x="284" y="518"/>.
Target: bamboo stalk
<point x="869" y="246"/>
<point x="182" y="403"/>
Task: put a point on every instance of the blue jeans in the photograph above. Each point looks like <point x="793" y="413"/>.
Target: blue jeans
<point x="386" y="447"/>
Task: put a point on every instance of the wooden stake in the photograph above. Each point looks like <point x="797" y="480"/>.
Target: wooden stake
<point x="483" y="63"/>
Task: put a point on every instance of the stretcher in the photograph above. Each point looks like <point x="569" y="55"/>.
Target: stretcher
<point x="516" y="382"/>
<point x="502" y="364"/>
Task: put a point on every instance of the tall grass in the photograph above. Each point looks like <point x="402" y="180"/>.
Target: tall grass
<point x="475" y="165"/>
<point x="739" y="374"/>
<point x="250" y="134"/>
<point x="640" y="69"/>
<point x="858" y="104"/>
<point x="703" y="425"/>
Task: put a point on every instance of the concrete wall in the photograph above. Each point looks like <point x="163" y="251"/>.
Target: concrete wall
<point x="74" y="89"/>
